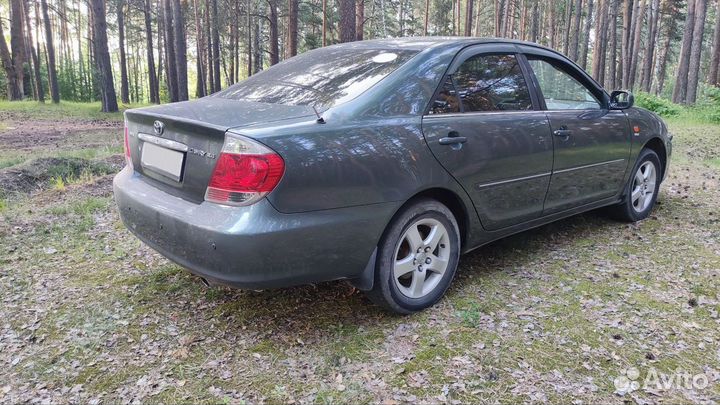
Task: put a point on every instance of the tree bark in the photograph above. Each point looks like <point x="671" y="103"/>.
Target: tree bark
<point x="360" y="20"/>
<point x="347" y="20"/>
<point x="39" y="92"/>
<point x="152" y="75"/>
<point x="102" y="56"/>
<point x="468" y="18"/>
<point x="292" y="29"/>
<point x="170" y="58"/>
<point x="696" y="50"/>
<point x="586" y="36"/>
<point x="598" y="67"/>
<point x="13" y="58"/>
<point x="713" y="76"/>
<point x="610" y="80"/>
<point x="274" y="52"/>
<point x="124" y="90"/>
<point x="427" y="15"/>
<point x="646" y="73"/>
<point x="638" y="16"/>
<point x="534" y="31"/>
<point x="200" y="88"/>
<point x="575" y="35"/>
<point x="248" y="27"/>
<point x="215" y="48"/>
<point x="680" y="90"/>
<point x="568" y="26"/>
<point x="180" y="50"/>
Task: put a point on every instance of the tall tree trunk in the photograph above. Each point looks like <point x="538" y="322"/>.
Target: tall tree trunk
<point x="216" y="48"/>
<point x="180" y="50"/>
<point x="248" y="27"/>
<point x="152" y="75"/>
<point x="468" y="17"/>
<point x="696" y="50"/>
<point x="209" y="49"/>
<point x="50" y="49"/>
<point x="713" y="76"/>
<point x="662" y="63"/>
<point x="535" y="30"/>
<point x="638" y="16"/>
<point x="610" y="80"/>
<point x="170" y="58"/>
<point x="124" y="91"/>
<point x="39" y="92"/>
<point x="13" y="58"/>
<point x="680" y="90"/>
<point x="575" y="34"/>
<point x="598" y="69"/>
<point x="102" y="56"/>
<point x="360" y="20"/>
<point x="200" y="88"/>
<point x="568" y="26"/>
<point x="274" y="52"/>
<point x="646" y="74"/>
<point x="626" y="42"/>
<point x="292" y="29"/>
<point x="586" y="36"/>
<point x="324" y="22"/>
<point x="347" y="20"/>
<point x="427" y="15"/>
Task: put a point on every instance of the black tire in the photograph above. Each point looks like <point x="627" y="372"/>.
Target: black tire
<point x="629" y="210"/>
<point x="387" y="292"/>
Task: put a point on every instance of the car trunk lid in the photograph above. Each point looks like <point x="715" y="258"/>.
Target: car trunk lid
<point x="175" y="146"/>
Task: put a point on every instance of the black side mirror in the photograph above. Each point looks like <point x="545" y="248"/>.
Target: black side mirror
<point x="621" y="100"/>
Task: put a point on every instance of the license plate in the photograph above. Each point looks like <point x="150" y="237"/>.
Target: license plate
<point x="162" y="160"/>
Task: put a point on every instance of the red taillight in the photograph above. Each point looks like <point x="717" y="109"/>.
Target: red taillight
<point x="245" y="172"/>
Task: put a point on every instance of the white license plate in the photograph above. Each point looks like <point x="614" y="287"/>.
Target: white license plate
<point x="165" y="161"/>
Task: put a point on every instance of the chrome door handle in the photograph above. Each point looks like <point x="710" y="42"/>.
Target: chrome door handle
<point x="453" y="138"/>
<point x="562" y="132"/>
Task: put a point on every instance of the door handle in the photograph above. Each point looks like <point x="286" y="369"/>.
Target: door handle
<point x="453" y="138"/>
<point x="562" y="132"/>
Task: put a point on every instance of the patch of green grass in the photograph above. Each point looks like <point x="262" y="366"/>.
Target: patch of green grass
<point x="63" y="110"/>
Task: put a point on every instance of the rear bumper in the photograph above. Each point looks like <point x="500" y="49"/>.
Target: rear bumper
<point x="254" y="246"/>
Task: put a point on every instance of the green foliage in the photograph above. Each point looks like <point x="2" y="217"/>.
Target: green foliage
<point x="660" y="106"/>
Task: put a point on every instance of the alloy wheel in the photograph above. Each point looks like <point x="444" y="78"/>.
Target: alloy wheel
<point x="643" y="188"/>
<point x="421" y="257"/>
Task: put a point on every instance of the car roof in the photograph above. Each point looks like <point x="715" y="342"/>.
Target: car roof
<point x="422" y="43"/>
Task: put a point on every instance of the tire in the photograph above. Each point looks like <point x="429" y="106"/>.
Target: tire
<point x="642" y="188"/>
<point x="422" y="246"/>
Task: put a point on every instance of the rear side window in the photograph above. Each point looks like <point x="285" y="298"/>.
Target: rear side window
<point x="322" y="78"/>
<point x="492" y="83"/>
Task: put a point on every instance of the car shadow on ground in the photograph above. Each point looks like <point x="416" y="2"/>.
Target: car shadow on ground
<point x="314" y="311"/>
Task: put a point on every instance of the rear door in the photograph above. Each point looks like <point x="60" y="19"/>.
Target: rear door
<point x="592" y="143"/>
<point x="484" y="129"/>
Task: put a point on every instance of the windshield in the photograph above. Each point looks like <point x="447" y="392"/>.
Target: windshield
<point x="321" y="78"/>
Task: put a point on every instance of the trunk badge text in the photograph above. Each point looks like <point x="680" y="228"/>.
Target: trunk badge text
<point x="159" y="128"/>
<point x="202" y="153"/>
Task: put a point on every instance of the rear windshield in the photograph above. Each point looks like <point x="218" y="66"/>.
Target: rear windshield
<point x="321" y="78"/>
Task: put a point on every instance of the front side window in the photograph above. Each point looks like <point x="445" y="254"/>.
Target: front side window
<point x="447" y="101"/>
<point x="560" y="90"/>
<point x="492" y="83"/>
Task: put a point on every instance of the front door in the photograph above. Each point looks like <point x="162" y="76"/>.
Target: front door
<point x="483" y="129"/>
<point x="592" y="143"/>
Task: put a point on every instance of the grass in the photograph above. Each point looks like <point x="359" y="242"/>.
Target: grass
<point x="553" y="314"/>
<point x="62" y="111"/>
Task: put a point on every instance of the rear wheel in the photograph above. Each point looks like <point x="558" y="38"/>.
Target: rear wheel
<point x="417" y="258"/>
<point x="642" y="189"/>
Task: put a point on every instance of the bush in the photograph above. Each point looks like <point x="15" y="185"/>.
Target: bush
<point x="660" y="106"/>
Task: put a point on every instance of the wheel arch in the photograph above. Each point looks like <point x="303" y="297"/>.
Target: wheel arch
<point x="445" y="196"/>
<point x="658" y="146"/>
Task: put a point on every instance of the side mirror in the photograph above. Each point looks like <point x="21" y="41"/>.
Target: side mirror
<point x="621" y="100"/>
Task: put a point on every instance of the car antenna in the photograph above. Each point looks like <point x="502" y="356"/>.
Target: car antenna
<point x="320" y="119"/>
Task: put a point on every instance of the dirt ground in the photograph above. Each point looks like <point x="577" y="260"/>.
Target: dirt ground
<point x="584" y="310"/>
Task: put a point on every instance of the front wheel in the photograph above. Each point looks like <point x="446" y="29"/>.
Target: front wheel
<point x="642" y="189"/>
<point x="417" y="258"/>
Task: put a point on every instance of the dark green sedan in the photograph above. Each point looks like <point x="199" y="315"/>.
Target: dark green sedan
<point x="380" y="162"/>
